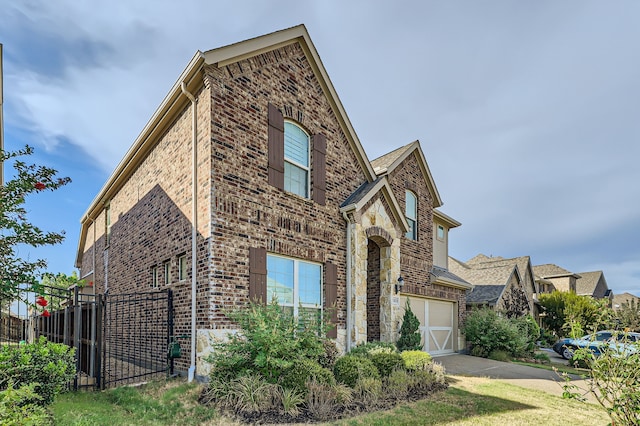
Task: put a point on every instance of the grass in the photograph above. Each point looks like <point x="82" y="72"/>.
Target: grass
<point x="468" y="401"/>
<point x="560" y="367"/>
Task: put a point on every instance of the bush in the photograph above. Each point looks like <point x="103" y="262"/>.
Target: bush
<point x="410" y="336"/>
<point x="369" y="389"/>
<point x="530" y="329"/>
<point x="296" y="376"/>
<point x="387" y="362"/>
<point x="49" y="366"/>
<point x="17" y="408"/>
<point x="397" y="384"/>
<point x="270" y="342"/>
<point x="416" y="360"/>
<point x="330" y="355"/>
<point x="366" y="349"/>
<point x="498" y="355"/>
<point x="487" y="331"/>
<point x="350" y="368"/>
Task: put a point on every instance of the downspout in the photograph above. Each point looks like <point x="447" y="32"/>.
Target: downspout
<point x="346" y="218"/>
<point x="194" y="225"/>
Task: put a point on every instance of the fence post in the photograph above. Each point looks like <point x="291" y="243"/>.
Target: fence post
<point x="77" y="318"/>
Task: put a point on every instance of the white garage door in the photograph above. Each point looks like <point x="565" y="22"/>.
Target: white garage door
<point x="436" y="324"/>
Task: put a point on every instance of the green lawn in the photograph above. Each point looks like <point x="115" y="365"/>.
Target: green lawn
<point x="468" y="401"/>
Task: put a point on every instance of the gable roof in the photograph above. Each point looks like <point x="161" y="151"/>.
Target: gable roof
<point x="550" y="270"/>
<point x="445" y="219"/>
<point x="484" y="273"/>
<point x="523" y="263"/>
<point x="588" y="282"/>
<point x="192" y="78"/>
<point x="388" y="162"/>
<point x="485" y="294"/>
<point x="367" y="191"/>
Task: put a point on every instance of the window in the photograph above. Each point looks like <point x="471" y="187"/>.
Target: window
<point x="411" y="213"/>
<point x="167" y="272"/>
<point x="440" y="232"/>
<point x="107" y="224"/>
<point x="154" y="277"/>
<point x="182" y="267"/>
<point x="296" y="160"/>
<point x="295" y="283"/>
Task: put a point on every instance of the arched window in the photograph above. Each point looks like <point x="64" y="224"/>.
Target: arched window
<point x="411" y="212"/>
<point x="296" y="160"/>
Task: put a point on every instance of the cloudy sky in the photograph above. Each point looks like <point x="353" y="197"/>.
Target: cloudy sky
<point x="528" y="112"/>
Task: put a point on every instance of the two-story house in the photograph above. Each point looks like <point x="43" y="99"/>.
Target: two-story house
<point x="250" y="183"/>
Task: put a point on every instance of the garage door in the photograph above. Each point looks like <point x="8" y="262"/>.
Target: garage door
<point x="436" y="324"/>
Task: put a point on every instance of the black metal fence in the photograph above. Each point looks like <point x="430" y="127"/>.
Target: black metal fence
<point x="119" y="338"/>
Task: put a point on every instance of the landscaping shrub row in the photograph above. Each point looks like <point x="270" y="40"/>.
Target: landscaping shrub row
<point x="279" y="370"/>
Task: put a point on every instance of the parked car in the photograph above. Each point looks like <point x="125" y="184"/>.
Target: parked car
<point x="621" y="341"/>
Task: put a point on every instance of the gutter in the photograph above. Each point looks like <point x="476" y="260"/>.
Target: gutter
<point x="348" y="274"/>
<point x="194" y="224"/>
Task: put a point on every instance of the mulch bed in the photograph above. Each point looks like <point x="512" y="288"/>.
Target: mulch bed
<point x="354" y="409"/>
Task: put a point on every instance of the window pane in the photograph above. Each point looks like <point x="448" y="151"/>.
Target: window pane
<point x="309" y="284"/>
<point x="280" y="279"/>
<point x="411" y="205"/>
<point x="295" y="179"/>
<point x="411" y="233"/>
<point x="296" y="144"/>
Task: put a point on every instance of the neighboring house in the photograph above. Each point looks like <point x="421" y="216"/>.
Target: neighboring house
<point x="593" y="284"/>
<point x="504" y="284"/>
<point x="624" y="298"/>
<point x="249" y="183"/>
<point x="560" y="279"/>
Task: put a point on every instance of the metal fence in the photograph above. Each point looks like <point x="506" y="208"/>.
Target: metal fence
<point x="119" y="338"/>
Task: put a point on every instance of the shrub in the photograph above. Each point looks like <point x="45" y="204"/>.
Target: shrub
<point x="17" y="408"/>
<point x="50" y="366"/>
<point x="270" y="342"/>
<point x="366" y="349"/>
<point x="290" y="400"/>
<point x="387" y="362"/>
<point x="397" y="384"/>
<point x="252" y="393"/>
<point x="321" y="399"/>
<point x="330" y="355"/>
<point x="297" y="375"/>
<point x="530" y="329"/>
<point x="369" y="389"/>
<point x="410" y="336"/>
<point x="350" y="368"/>
<point x="498" y="355"/>
<point x="416" y="360"/>
<point x="487" y="330"/>
<point x="542" y="358"/>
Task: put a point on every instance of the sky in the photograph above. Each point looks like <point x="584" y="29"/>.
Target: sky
<point x="528" y="112"/>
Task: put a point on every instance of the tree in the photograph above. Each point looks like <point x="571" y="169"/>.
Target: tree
<point x="409" y="331"/>
<point x="516" y="303"/>
<point x="628" y="315"/>
<point x="568" y="314"/>
<point x="16" y="230"/>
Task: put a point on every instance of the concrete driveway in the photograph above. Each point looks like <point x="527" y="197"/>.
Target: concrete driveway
<point x="520" y="375"/>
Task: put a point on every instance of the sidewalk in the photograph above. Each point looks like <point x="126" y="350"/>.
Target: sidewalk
<point x="519" y="375"/>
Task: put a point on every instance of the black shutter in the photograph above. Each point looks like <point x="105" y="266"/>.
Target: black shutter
<point x="276" y="147"/>
<point x="258" y="275"/>
<point x="319" y="169"/>
<point x="331" y="297"/>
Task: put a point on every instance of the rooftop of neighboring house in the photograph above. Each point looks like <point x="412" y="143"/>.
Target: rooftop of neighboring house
<point x="482" y="272"/>
<point x="619" y="299"/>
<point x="485" y="294"/>
<point x="550" y="270"/>
<point x="587" y="284"/>
<point x="445" y="275"/>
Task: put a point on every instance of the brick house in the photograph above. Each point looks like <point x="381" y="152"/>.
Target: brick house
<point x="249" y="182"/>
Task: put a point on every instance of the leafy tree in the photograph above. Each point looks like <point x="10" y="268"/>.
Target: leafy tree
<point x="628" y="315"/>
<point x="569" y="314"/>
<point x="15" y="228"/>
<point x="57" y="286"/>
<point x="409" y="331"/>
<point x="516" y="303"/>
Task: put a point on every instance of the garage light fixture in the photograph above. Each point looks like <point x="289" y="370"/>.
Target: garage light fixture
<point x="399" y="284"/>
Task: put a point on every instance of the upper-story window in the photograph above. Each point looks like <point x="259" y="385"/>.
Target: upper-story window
<point x="296" y="160"/>
<point x="107" y="224"/>
<point x="440" y="232"/>
<point x="411" y="213"/>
